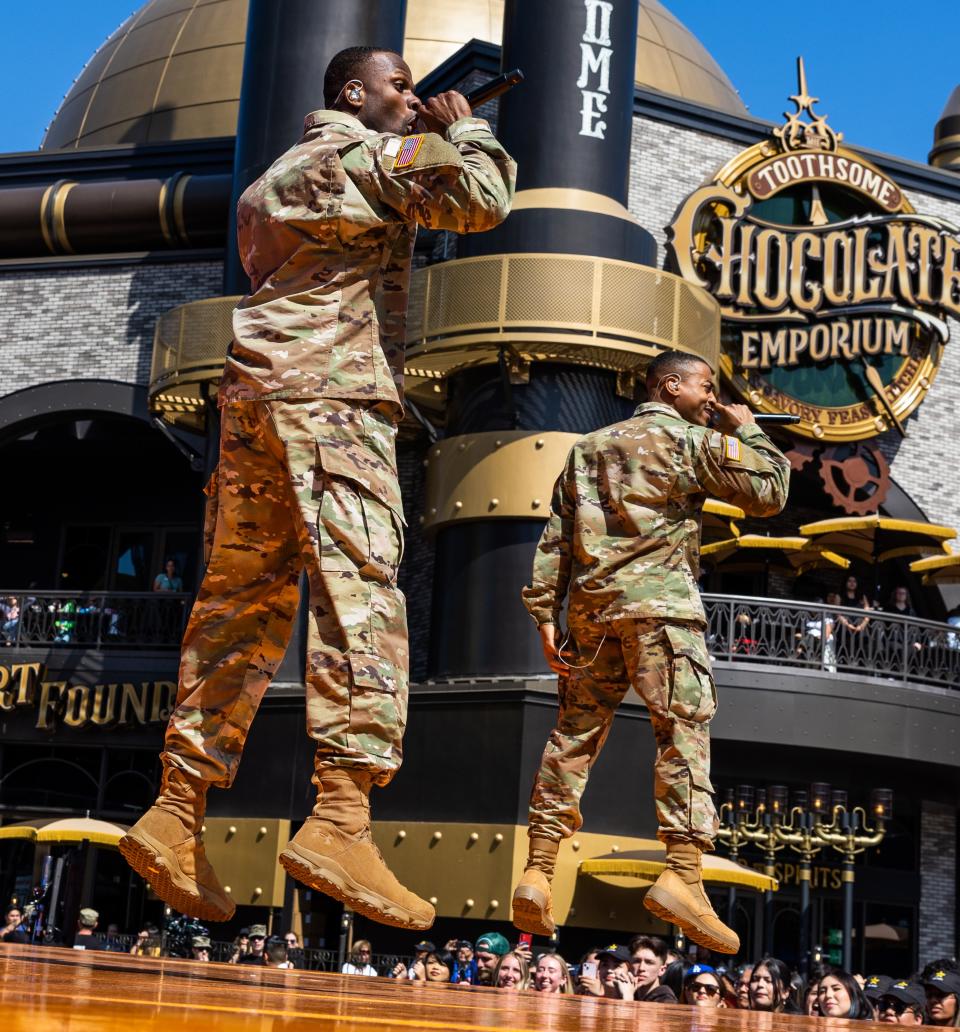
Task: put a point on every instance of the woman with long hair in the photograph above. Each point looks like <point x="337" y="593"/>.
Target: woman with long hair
<point x="552" y="975"/>
<point x="359" y="962"/>
<point x="512" y="972"/>
<point x="839" y="996"/>
<point x="770" y="987"/>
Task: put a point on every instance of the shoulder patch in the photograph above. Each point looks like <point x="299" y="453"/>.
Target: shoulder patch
<point x="409" y="148"/>
<point x="731" y="449"/>
<point x="392" y="146"/>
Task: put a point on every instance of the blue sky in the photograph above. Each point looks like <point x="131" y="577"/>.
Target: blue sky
<point x="883" y="70"/>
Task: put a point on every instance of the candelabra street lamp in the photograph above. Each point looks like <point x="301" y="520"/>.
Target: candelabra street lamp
<point x="849" y="833"/>
<point x="820" y="819"/>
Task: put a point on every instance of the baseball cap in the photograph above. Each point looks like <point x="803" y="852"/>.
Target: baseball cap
<point x="876" y="985"/>
<point x="200" y="942"/>
<point x="425" y="947"/>
<point x="700" y="969"/>
<point x="493" y="942"/>
<point x="256" y="930"/>
<point x="619" y="953"/>
<point x="945" y="981"/>
<point x="88" y="917"/>
<point x="461" y="943"/>
<point x="910" y="993"/>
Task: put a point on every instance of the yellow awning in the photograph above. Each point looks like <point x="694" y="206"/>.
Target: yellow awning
<point x="799" y="552"/>
<point x="938" y="569"/>
<point x="648" y="864"/>
<point x="66" y="829"/>
<point x="875" y="539"/>
<point x="715" y="507"/>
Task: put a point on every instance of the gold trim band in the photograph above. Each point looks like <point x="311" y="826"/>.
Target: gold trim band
<point x="569" y="197"/>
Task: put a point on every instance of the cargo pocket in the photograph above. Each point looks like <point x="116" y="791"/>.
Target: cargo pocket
<point x="378" y="705"/>
<point x="360" y="518"/>
<point x="211" y="507"/>
<point x="693" y="692"/>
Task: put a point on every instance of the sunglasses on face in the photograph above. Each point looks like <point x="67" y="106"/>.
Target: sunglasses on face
<point x="897" y="1006"/>
<point x="257" y="938"/>
<point x="704" y="987"/>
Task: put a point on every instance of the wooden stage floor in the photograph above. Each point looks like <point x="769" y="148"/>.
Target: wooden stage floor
<point x="48" y="989"/>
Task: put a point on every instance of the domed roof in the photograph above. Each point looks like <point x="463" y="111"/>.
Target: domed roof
<point x="172" y="70"/>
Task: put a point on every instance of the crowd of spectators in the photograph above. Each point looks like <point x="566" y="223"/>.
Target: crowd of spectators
<point x="644" y="969"/>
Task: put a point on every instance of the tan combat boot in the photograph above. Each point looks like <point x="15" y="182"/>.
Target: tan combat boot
<point x="677" y="897"/>
<point x="532" y="900"/>
<point x="334" y="853"/>
<point x="165" y="849"/>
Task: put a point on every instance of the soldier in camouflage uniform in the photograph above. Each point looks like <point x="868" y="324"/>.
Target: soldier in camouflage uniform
<point x="622" y="545"/>
<point x="307" y="477"/>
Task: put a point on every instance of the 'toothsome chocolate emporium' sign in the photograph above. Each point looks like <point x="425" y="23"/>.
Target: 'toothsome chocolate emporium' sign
<point x="834" y="292"/>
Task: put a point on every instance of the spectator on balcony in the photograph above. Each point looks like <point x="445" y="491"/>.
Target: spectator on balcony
<point x="953" y="619"/>
<point x="849" y="629"/>
<point x="359" y="962"/>
<point x="899" y="602"/>
<point x="702" y="988"/>
<point x="552" y="975"/>
<point x="839" y="995"/>
<point x="770" y="987"/>
<point x="512" y="972"/>
<point x="942" y="987"/>
<point x="9" y="618"/>
<point x="902" y="1003"/>
<point x="852" y="596"/>
<point x="648" y="965"/>
<point x="168" y="579"/>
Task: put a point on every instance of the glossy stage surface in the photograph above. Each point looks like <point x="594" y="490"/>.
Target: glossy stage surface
<point x="48" y="989"/>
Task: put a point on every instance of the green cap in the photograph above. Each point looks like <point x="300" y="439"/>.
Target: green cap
<point x="493" y="942"/>
<point x="258" y="930"/>
<point x="88" y="917"/>
<point x="200" y="942"/>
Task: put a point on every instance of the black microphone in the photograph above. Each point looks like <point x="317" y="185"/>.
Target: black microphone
<point x="774" y="419"/>
<point x="494" y="88"/>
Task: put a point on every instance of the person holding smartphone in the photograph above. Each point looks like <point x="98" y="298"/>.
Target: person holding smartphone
<point x="622" y="548"/>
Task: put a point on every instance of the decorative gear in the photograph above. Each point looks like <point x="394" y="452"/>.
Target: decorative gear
<point x="856" y="477"/>
<point x="801" y="455"/>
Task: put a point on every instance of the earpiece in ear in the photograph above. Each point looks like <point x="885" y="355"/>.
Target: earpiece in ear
<point x="354" y="94"/>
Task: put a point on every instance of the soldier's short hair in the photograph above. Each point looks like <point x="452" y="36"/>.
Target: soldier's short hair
<point x="348" y="64"/>
<point x="669" y="363"/>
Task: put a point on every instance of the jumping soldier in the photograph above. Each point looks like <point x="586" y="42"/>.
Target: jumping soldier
<point x="310" y="400"/>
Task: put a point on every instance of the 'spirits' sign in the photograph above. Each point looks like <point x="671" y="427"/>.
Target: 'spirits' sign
<point x="56" y="703"/>
<point x="834" y="292"/>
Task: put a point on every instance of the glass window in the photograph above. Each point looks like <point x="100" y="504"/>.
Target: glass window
<point x="85" y="558"/>
<point x="134" y="560"/>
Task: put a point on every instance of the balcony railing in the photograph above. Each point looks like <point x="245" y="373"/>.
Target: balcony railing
<point x="102" y="620"/>
<point x="833" y="639"/>
<point x="741" y="629"/>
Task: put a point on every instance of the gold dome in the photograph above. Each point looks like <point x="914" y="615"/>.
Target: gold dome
<point x="172" y="70"/>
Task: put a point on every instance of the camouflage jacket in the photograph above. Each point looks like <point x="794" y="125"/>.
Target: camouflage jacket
<point x="623" y="535"/>
<point x="326" y="236"/>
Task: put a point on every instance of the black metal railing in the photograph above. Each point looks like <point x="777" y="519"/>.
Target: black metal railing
<point x="833" y="639"/>
<point x="95" y="619"/>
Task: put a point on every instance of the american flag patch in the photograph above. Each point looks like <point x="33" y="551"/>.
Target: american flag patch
<point x="731" y="449"/>
<point x="408" y="151"/>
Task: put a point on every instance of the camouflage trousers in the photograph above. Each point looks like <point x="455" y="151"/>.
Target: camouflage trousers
<point x="668" y="666"/>
<point x="300" y="484"/>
